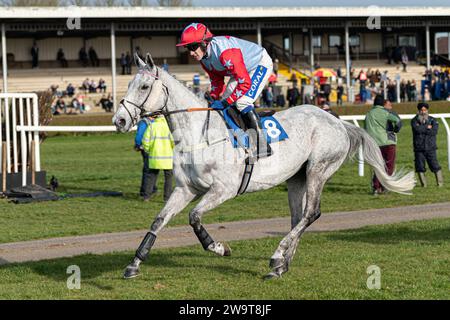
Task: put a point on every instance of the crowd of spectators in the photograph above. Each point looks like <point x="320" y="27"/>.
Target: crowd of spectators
<point x="71" y="100"/>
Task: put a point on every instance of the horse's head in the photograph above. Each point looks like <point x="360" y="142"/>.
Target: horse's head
<point x="146" y="94"/>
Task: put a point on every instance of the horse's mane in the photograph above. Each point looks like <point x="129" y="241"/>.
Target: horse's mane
<point x="200" y="100"/>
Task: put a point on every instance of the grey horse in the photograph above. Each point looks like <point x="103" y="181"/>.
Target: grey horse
<point x="207" y="166"/>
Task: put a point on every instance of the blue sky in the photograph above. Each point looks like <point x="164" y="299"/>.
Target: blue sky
<point x="309" y="3"/>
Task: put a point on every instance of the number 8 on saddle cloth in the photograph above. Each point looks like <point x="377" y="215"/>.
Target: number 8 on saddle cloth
<point x="272" y="128"/>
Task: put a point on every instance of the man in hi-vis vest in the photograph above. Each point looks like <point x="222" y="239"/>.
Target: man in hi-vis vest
<point x="154" y="140"/>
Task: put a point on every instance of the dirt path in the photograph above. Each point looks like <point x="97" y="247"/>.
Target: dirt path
<point x="183" y="236"/>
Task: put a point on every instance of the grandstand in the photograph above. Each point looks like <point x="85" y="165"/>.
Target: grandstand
<point x="290" y="34"/>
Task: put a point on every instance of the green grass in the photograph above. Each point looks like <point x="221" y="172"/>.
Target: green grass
<point x="108" y="162"/>
<point x="413" y="258"/>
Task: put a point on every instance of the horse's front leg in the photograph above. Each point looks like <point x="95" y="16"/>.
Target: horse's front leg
<point x="213" y="198"/>
<point x="178" y="200"/>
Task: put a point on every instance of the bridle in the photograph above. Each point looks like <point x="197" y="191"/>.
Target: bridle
<point x="142" y="112"/>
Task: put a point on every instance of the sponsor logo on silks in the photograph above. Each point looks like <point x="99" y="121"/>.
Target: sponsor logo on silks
<point x="257" y="78"/>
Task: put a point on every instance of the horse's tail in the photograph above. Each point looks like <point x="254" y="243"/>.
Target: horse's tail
<point x="399" y="182"/>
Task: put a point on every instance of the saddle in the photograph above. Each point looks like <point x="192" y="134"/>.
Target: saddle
<point x="237" y="118"/>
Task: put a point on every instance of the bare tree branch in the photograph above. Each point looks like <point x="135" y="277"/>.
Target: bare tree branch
<point x="30" y="3"/>
<point x="174" y="3"/>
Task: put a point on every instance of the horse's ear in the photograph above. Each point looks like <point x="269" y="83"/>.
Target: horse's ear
<point x="138" y="61"/>
<point x="149" y="60"/>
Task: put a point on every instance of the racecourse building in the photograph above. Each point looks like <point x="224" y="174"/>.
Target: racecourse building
<point x="291" y="34"/>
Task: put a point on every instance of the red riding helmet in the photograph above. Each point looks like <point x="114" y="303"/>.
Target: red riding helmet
<point x="194" y="33"/>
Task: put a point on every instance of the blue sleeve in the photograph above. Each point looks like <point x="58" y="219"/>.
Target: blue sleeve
<point x="142" y="126"/>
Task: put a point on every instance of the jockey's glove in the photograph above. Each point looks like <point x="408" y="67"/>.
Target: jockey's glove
<point x="219" y="104"/>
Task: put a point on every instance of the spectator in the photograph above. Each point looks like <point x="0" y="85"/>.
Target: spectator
<point x="294" y="78"/>
<point x="70" y="90"/>
<point x="413" y="90"/>
<point x="129" y="62"/>
<point x="83" y="57"/>
<point x="93" y="57"/>
<point x="74" y="105"/>
<point x="106" y="103"/>
<point x="425" y="129"/>
<point x="196" y="83"/>
<point x="326" y="88"/>
<point x="338" y="73"/>
<point x="405" y="59"/>
<point x="155" y="142"/>
<point x="34" y="55"/>
<point x="326" y="107"/>
<point x="85" y="85"/>
<point x="101" y="85"/>
<point x="292" y="95"/>
<point x="54" y="89"/>
<point x="382" y="125"/>
<point x="269" y="97"/>
<point x="403" y="90"/>
<point x="165" y="65"/>
<point x="123" y="63"/>
<point x="276" y="66"/>
<point x="77" y="104"/>
<point x="92" y="86"/>
<point x="61" y="58"/>
<point x="426" y="95"/>
<point x="340" y="93"/>
<point x="59" y="107"/>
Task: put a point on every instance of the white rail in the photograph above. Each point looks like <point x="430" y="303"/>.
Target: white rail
<point x="36" y="129"/>
<point x="12" y="121"/>
<point x="441" y="116"/>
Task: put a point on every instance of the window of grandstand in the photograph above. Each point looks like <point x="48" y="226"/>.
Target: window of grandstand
<point x="334" y="40"/>
<point x="442" y="42"/>
<point x="317" y="41"/>
<point x="354" y="40"/>
<point x="286" y="43"/>
<point x="407" y="41"/>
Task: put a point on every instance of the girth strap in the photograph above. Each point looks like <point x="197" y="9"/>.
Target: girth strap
<point x="246" y="177"/>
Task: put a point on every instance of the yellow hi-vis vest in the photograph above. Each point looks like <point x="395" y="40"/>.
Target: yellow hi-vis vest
<point x="158" y="143"/>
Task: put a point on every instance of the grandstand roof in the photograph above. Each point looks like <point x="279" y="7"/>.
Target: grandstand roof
<point x="217" y="12"/>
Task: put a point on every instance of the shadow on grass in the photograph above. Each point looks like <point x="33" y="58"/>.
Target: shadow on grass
<point x="111" y="266"/>
<point x="392" y="235"/>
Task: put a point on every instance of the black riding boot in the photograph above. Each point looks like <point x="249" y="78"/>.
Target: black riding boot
<point x="258" y="142"/>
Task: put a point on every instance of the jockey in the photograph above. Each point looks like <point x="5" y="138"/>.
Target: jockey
<point x="247" y="64"/>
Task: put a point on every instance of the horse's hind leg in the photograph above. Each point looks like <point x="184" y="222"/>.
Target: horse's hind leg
<point x="316" y="178"/>
<point x="296" y="192"/>
<point x="214" y="197"/>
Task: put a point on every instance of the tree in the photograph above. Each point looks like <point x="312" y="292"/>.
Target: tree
<point x="29" y="3"/>
<point x="174" y="3"/>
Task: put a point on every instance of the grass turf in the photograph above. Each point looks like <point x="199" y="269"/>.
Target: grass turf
<point x="108" y="162"/>
<point x="413" y="258"/>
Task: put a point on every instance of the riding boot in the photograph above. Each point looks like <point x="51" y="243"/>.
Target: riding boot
<point x="258" y="139"/>
<point x="439" y="178"/>
<point x="422" y="179"/>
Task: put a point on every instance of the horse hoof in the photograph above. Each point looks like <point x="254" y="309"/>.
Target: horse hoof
<point x="131" y="272"/>
<point x="227" y="250"/>
<point x="276" y="263"/>
<point x="271" y="275"/>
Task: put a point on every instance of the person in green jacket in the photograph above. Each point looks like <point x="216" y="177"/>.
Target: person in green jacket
<point x="155" y="140"/>
<point x="383" y="124"/>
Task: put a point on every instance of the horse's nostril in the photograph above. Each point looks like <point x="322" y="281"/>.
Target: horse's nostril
<point x="121" y="123"/>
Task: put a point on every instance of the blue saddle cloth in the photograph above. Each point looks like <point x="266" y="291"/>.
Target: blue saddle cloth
<point x="272" y="128"/>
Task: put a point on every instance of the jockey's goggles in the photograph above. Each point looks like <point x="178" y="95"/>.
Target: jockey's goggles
<point x="192" y="46"/>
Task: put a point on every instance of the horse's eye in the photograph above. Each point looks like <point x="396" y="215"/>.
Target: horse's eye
<point x="144" y="87"/>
